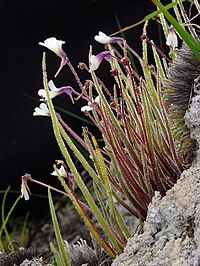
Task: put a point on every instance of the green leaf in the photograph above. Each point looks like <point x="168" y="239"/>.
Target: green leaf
<point x="23" y="230"/>
<point x="56" y="255"/>
<point x="5" y="220"/>
<point x="59" y="239"/>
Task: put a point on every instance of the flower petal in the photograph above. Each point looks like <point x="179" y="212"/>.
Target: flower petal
<point x="61" y="171"/>
<point x="24" y="187"/>
<point x="172" y="39"/>
<point x="95" y="60"/>
<point x="56" y="46"/>
<point x="86" y="108"/>
<point x="104" y="39"/>
<point x="94" y="63"/>
<point x="41" y="110"/>
<point x="97" y="99"/>
<point x="51" y="85"/>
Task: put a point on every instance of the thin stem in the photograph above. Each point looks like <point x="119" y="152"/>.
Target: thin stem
<point x="54" y="189"/>
<point x="148" y="17"/>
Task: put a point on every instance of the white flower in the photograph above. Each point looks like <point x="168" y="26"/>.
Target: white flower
<point x="104" y="39"/>
<point x="94" y="63"/>
<point x="24" y="187"/>
<point x="64" y="173"/>
<point x="41" y="110"/>
<point x="95" y="60"/>
<point x="53" y="91"/>
<point x="56" y="46"/>
<point x="88" y="107"/>
<point x="61" y="171"/>
<point x="172" y="39"/>
<point x="24" y="192"/>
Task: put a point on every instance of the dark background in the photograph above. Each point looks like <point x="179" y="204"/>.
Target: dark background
<point x="27" y="144"/>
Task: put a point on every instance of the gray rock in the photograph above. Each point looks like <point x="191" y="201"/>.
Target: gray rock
<point x="172" y="228"/>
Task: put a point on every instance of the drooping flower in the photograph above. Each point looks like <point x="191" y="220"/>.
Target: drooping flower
<point x="95" y="60"/>
<point x="88" y="107"/>
<point x="53" y="91"/>
<point x="25" y="191"/>
<point x="172" y="39"/>
<point x="104" y="39"/>
<point x="41" y="110"/>
<point x="56" y="46"/>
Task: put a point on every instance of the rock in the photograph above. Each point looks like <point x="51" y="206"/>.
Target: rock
<point x="172" y="228"/>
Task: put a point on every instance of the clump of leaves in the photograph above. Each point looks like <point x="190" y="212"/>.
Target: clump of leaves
<point x="140" y="153"/>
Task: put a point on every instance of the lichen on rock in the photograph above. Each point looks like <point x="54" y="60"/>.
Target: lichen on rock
<point x="172" y="228"/>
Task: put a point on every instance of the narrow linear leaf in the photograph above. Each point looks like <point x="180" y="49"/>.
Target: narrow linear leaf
<point x="59" y="239"/>
<point x="5" y="219"/>
<point x="56" y="255"/>
<point x="150" y="16"/>
<point x="23" y="230"/>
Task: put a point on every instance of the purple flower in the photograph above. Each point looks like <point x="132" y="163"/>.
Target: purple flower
<point x="104" y="39"/>
<point x="95" y="60"/>
<point x="53" y="91"/>
<point x="56" y="46"/>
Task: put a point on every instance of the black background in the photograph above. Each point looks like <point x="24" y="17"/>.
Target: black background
<point x="27" y="143"/>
